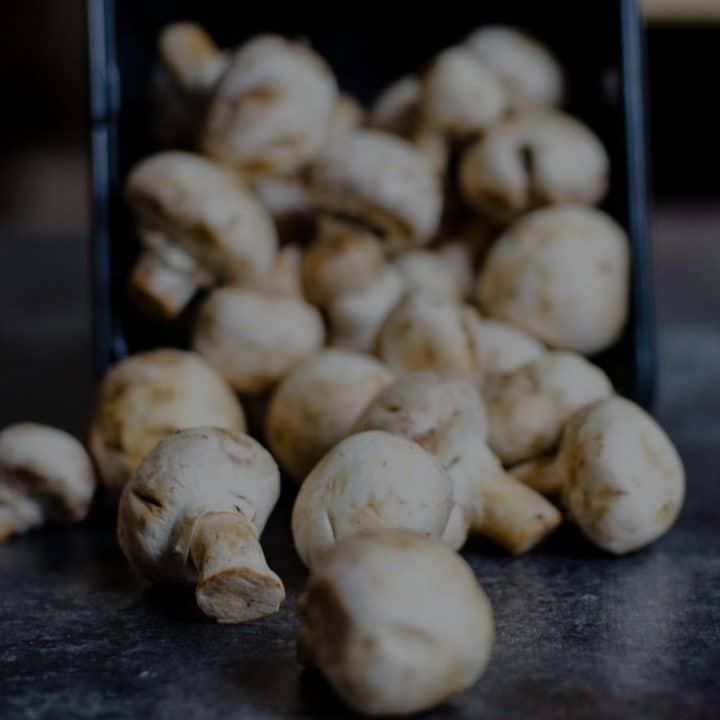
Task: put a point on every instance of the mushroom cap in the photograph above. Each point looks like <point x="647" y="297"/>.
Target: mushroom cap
<point x="397" y="108"/>
<point x="419" y="407"/>
<point x="383" y="180"/>
<point x="188" y="474"/>
<point x="369" y="481"/>
<point x="428" y="331"/>
<point x="284" y="277"/>
<point x="624" y="482"/>
<point x="461" y="95"/>
<point x="501" y="348"/>
<point x="356" y="317"/>
<point x="533" y="159"/>
<point x="149" y="395"/>
<point x="396" y="622"/>
<point x="317" y="404"/>
<point x="272" y="108"/>
<point x="528" y="408"/>
<point x="283" y="197"/>
<point x="529" y="71"/>
<point x="44" y="474"/>
<point x="191" y="57"/>
<point x="562" y="275"/>
<point x="343" y="258"/>
<point x="254" y="339"/>
<point x="206" y="212"/>
<point x="428" y="270"/>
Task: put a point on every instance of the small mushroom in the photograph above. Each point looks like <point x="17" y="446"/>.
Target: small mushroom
<point x="459" y="257"/>
<point x="370" y="481"/>
<point x="149" y="395"/>
<point x="287" y="200"/>
<point x="200" y="226"/>
<point x="45" y="476"/>
<point x="502" y="348"/>
<point x="460" y="94"/>
<point x="530" y="73"/>
<point x="397" y="108"/>
<point x="285" y="276"/>
<point x="254" y="339"/>
<point x="383" y="181"/>
<point x="193" y="513"/>
<point x="396" y="622"/>
<point x="534" y="159"/>
<point x="528" y="407"/>
<point x="343" y="258"/>
<point x="428" y="270"/>
<point x="317" y="404"/>
<point x="356" y="317"/>
<point x="561" y="275"/>
<point x="621" y="479"/>
<point x="446" y="417"/>
<point x="347" y="116"/>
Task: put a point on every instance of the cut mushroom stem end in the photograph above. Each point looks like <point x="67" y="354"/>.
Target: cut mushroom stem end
<point x="235" y="583"/>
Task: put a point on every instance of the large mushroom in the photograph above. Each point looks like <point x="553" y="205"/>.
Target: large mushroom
<point x="193" y="512"/>
<point x="254" y="339"/>
<point x="562" y="275"/>
<point x="149" y="395"/>
<point x="534" y="159"/>
<point x="317" y="404"/>
<point x="45" y="476"/>
<point x="272" y="108"/>
<point x="369" y="481"/>
<point x="199" y="225"/>
<point x="396" y="622"/>
<point x="619" y="475"/>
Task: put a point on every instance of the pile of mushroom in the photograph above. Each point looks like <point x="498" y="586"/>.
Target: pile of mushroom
<point x="408" y="300"/>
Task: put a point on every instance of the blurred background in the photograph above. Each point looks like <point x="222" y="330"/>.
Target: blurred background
<point x="44" y="216"/>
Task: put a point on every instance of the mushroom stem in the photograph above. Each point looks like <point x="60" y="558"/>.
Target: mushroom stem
<point x="234" y="583"/>
<point x="544" y="475"/>
<point x="163" y="290"/>
<point x="515" y="516"/>
<point x="18" y="513"/>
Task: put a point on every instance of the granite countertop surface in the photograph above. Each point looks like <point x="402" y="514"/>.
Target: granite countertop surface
<point x="580" y="635"/>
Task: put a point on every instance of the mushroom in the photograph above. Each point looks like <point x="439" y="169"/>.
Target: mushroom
<point x="45" y="476"/>
<point x="316" y="405"/>
<point x="200" y="226"/>
<point x="396" y="622"/>
<point x="287" y="200"/>
<point x="429" y="270"/>
<point x="534" y="159"/>
<point x="397" y="108"/>
<point x="370" y="481"/>
<point x="528" y="70"/>
<point x="528" y="407"/>
<point x="561" y="275"/>
<point x="347" y="116"/>
<point x="383" y="181"/>
<point x="446" y="417"/>
<point x="271" y="111"/>
<point x="621" y="479"/>
<point x="356" y="317"/>
<point x="502" y="348"/>
<point x="428" y="331"/>
<point x="149" y="395"/>
<point x="343" y="258"/>
<point x="285" y="276"/>
<point x="460" y="94"/>
<point x="190" y="67"/>
<point x="193" y="513"/>
<point x="254" y="339"/>
<point x="459" y="257"/>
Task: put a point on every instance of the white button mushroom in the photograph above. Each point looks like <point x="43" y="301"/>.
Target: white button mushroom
<point x="45" y="476"/>
<point x="446" y="417"/>
<point x="534" y="159"/>
<point x="428" y="270"/>
<point x="460" y="94"/>
<point x="370" y="481"/>
<point x="347" y="116"/>
<point x="528" y="407"/>
<point x="288" y="202"/>
<point x="285" y="276"/>
<point x="562" y="275"/>
<point x="147" y="396"/>
<point x="343" y="258"/>
<point x="193" y="512"/>
<point x="317" y="404"/>
<point x="271" y="111"/>
<point x="254" y="339"/>
<point x="529" y="71"/>
<point x="397" y="107"/>
<point x="622" y="480"/>
<point x="396" y="622"/>
<point x="501" y="348"/>
<point x="384" y="181"/>
<point x="204" y="227"/>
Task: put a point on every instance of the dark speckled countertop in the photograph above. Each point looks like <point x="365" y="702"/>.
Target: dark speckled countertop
<point x="580" y="635"/>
